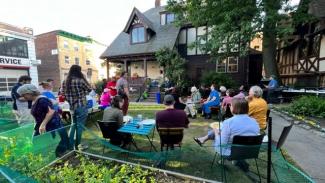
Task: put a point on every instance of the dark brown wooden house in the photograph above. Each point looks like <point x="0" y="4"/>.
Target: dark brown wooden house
<point x="146" y="33"/>
<point x="301" y="58"/>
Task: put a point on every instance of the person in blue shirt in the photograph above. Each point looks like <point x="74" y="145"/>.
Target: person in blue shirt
<point x="271" y="87"/>
<point x="47" y="92"/>
<point x="240" y="124"/>
<point x="212" y="101"/>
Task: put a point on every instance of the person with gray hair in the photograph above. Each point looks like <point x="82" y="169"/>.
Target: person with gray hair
<point x="46" y="118"/>
<point x="193" y="102"/>
<point x="171" y="117"/>
<point x="257" y="106"/>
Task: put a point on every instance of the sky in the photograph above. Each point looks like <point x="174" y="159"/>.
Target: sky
<point x="103" y="20"/>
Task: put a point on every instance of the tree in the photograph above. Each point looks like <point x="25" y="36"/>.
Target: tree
<point x="237" y="22"/>
<point x="173" y="64"/>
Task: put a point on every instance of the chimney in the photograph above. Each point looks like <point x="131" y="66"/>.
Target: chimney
<point x="157" y="3"/>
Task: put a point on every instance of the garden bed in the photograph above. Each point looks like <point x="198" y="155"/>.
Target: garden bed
<point x="85" y="167"/>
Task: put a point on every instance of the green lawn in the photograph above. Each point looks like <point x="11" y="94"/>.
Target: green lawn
<point x="191" y="159"/>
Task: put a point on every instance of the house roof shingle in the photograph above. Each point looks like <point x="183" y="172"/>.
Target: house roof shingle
<point x="316" y="7"/>
<point x="165" y="36"/>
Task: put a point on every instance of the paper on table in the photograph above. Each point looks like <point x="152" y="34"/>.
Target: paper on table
<point x="148" y="122"/>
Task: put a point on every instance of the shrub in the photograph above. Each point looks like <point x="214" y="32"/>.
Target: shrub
<point x="220" y="79"/>
<point x="308" y="106"/>
<point x="98" y="86"/>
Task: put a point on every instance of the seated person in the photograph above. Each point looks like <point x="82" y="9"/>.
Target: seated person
<point x="171" y="117"/>
<point x="240" y="124"/>
<point x="212" y="101"/>
<point x="223" y="91"/>
<point x="46" y="118"/>
<point x="193" y="102"/>
<point x="242" y="92"/>
<point x="257" y="106"/>
<point x="105" y="99"/>
<point x="178" y="100"/>
<point x="114" y="114"/>
<point x="227" y="99"/>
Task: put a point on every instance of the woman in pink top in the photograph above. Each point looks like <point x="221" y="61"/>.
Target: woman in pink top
<point x="227" y="99"/>
<point x="105" y="99"/>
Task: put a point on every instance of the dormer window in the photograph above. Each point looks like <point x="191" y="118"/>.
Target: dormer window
<point x="138" y="35"/>
<point x="167" y="18"/>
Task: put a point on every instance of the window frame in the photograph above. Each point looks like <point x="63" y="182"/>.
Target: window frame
<point x="197" y="49"/>
<point x="20" y="50"/>
<point x="237" y="64"/>
<point x="145" y="35"/>
<point x="225" y="66"/>
<point x="66" y="59"/>
<point x="66" y="44"/>
<point x="87" y="62"/>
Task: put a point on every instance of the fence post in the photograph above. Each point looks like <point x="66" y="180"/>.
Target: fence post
<point x="269" y="150"/>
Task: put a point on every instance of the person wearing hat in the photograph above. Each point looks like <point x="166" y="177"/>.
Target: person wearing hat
<point x="171" y="117"/>
<point x="105" y="99"/>
<point x="46" y="118"/>
<point x="193" y="102"/>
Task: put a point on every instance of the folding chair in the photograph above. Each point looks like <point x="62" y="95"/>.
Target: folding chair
<point x="242" y="148"/>
<point x="170" y="137"/>
<point x="109" y="131"/>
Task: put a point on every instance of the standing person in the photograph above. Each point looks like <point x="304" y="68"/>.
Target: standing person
<point x="212" y="101"/>
<point x="193" y="102"/>
<point x="75" y="88"/>
<point x="21" y="106"/>
<point x="46" y="118"/>
<point x="104" y="84"/>
<point x="112" y="87"/>
<point x="47" y="92"/>
<point x="122" y="87"/>
<point x="257" y="106"/>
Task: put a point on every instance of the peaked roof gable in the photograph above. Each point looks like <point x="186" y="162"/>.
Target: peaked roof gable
<point x="143" y="19"/>
<point x="165" y="36"/>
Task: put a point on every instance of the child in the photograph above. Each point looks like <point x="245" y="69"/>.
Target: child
<point x="105" y="99"/>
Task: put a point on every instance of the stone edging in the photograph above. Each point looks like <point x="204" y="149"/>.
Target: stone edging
<point x="307" y="124"/>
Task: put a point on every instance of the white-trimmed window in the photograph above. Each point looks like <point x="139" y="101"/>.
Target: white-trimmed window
<point x="228" y="65"/>
<point x="66" y="44"/>
<point x="138" y="35"/>
<point x="76" y="48"/>
<point x="232" y="64"/>
<point x="66" y="59"/>
<point x="221" y="65"/>
<point x="167" y="18"/>
<point x="191" y="38"/>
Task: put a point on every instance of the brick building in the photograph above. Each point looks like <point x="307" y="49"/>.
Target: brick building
<point x="59" y="50"/>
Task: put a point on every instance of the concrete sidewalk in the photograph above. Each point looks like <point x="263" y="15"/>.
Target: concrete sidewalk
<point x="305" y="147"/>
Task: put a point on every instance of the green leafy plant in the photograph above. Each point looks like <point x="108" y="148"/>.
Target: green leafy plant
<point x="311" y="106"/>
<point x="220" y="79"/>
<point x="84" y="169"/>
<point x="173" y="64"/>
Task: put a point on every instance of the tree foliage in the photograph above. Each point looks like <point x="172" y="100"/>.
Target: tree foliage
<point x="237" y="22"/>
<point x="173" y="64"/>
